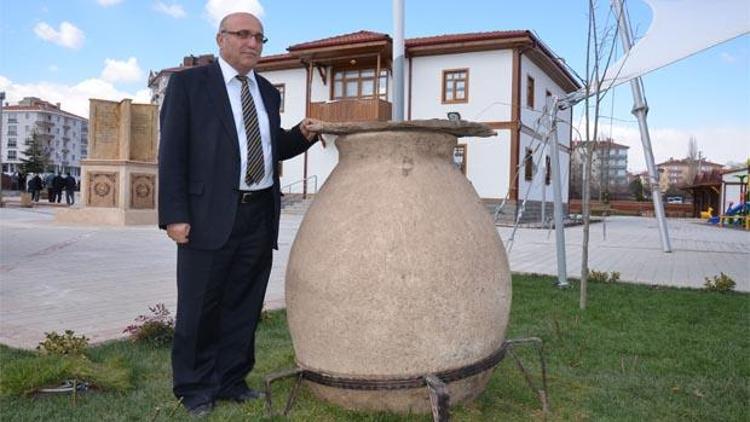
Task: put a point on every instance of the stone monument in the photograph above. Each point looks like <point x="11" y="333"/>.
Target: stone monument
<point x="118" y="179"/>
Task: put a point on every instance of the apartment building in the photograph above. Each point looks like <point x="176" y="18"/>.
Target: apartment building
<point x="609" y="170"/>
<point x="64" y="135"/>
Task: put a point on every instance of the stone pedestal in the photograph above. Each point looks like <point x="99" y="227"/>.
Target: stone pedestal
<point x="118" y="180"/>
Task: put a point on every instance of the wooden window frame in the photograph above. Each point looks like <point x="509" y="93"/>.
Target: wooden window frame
<point x="465" y="160"/>
<point x="282" y="93"/>
<point x="530" y="88"/>
<point x="466" y="86"/>
<point x="528" y="164"/>
<point x="359" y="79"/>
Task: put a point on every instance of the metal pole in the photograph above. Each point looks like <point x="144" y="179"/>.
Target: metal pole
<point x="640" y="110"/>
<point x="544" y="196"/>
<point x="562" y="271"/>
<point x="398" y="60"/>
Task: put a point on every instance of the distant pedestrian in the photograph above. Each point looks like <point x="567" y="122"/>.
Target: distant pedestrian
<point x="35" y="186"/>
<point x="49" y="181"/>
<point x="58" y="184"/>
<point x="22" y="182"/>
<point x="70" y="187"/>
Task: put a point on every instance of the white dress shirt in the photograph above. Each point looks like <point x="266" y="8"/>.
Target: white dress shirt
<point x="234" y="91"/>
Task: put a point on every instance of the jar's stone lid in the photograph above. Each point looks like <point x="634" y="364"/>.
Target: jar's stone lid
<point x="458" y="128"/>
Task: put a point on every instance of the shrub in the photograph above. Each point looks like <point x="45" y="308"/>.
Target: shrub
<point x="720" y="283"/>
<point x="603" y="276"/>
<point x="156" y="329"/>
<point x="66" y="344"/>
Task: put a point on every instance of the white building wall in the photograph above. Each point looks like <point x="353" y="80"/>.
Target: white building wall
<point x="489" y="98"/>
<point x="536" y="188"/>
<point x="320" y="161"/>
<point x="295" y="86"/>
<point x="487" y="162"/>
<point x="490" y="86"/>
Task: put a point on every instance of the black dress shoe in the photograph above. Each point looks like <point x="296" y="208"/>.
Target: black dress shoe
<point x="201" y="410"/>
<point x="244" y="396"/>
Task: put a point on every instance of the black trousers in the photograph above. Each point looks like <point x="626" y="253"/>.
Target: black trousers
<point x="219" y="301"/>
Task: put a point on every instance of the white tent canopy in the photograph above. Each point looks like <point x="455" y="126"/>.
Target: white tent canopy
<point x="680" y="28"/>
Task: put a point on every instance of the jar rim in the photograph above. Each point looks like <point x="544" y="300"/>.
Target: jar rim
<point x="457" y="128"/>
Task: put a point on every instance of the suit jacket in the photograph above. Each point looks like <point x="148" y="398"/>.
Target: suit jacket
<point x="199" y="157"/>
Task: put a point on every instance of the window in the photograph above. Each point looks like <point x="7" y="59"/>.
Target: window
<point x="528" y="164"/>
<point x="11" y="155"/>
<point x="529" y="92"/>
<point x="459" y="158"/>
<point x="547" y="170"/>
<point x="456" y="86"/>
<point x="359" y="84"/>
<point x="282" y="93"/>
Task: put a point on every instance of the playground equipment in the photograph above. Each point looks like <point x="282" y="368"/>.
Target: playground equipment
<point x="737" y="215"/>
<point x="705" y="215"/>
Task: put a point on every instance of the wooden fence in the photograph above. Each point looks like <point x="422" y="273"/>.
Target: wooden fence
<point x="645" y="208"/>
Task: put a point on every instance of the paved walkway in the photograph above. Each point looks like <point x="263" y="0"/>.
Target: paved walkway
<point x="95" y="280"/>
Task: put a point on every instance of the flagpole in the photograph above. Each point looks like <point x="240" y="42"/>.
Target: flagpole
<point x="398" y="60"/>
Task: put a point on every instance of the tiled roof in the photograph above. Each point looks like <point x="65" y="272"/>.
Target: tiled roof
<point x="467" y="37"/>
<point x="276" y="57"/>
<point x="368" y="36"/>
<point x="40" y="107"/>
<point x="352" y="38"/>
<point x="685" y="162"/>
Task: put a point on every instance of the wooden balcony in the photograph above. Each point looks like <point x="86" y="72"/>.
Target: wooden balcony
<point x="354" y="110"/>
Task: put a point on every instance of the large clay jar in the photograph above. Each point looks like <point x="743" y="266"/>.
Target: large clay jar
<point x="397" y="269"/>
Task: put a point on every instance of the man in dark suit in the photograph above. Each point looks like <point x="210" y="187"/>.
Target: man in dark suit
<point x="219" y="200"/>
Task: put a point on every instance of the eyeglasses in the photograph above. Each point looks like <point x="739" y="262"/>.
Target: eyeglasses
<point x="244" y="34"/>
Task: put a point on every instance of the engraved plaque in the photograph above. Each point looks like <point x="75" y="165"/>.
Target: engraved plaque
<point x="142" y="191"/>
<point x="142" y="132"/>
<point x="102" y="190"/>
<point x="104" y="132"/>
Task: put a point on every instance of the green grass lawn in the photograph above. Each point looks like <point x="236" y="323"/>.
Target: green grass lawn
<point x="637" y="354"/>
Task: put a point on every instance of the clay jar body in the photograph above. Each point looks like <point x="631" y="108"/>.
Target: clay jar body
<point x="397" y="270"/>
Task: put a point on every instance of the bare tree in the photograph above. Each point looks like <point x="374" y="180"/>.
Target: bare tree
<point x="694" y="157"/>
<point x="593" y="88"/>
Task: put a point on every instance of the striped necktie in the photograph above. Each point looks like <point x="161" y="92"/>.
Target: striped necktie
<point x="255" y="163"/>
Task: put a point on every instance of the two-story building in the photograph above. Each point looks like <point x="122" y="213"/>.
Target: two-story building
<point x="503" y="79"/>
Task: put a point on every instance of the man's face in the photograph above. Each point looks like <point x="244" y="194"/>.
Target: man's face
<point x="242" y="53"/>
